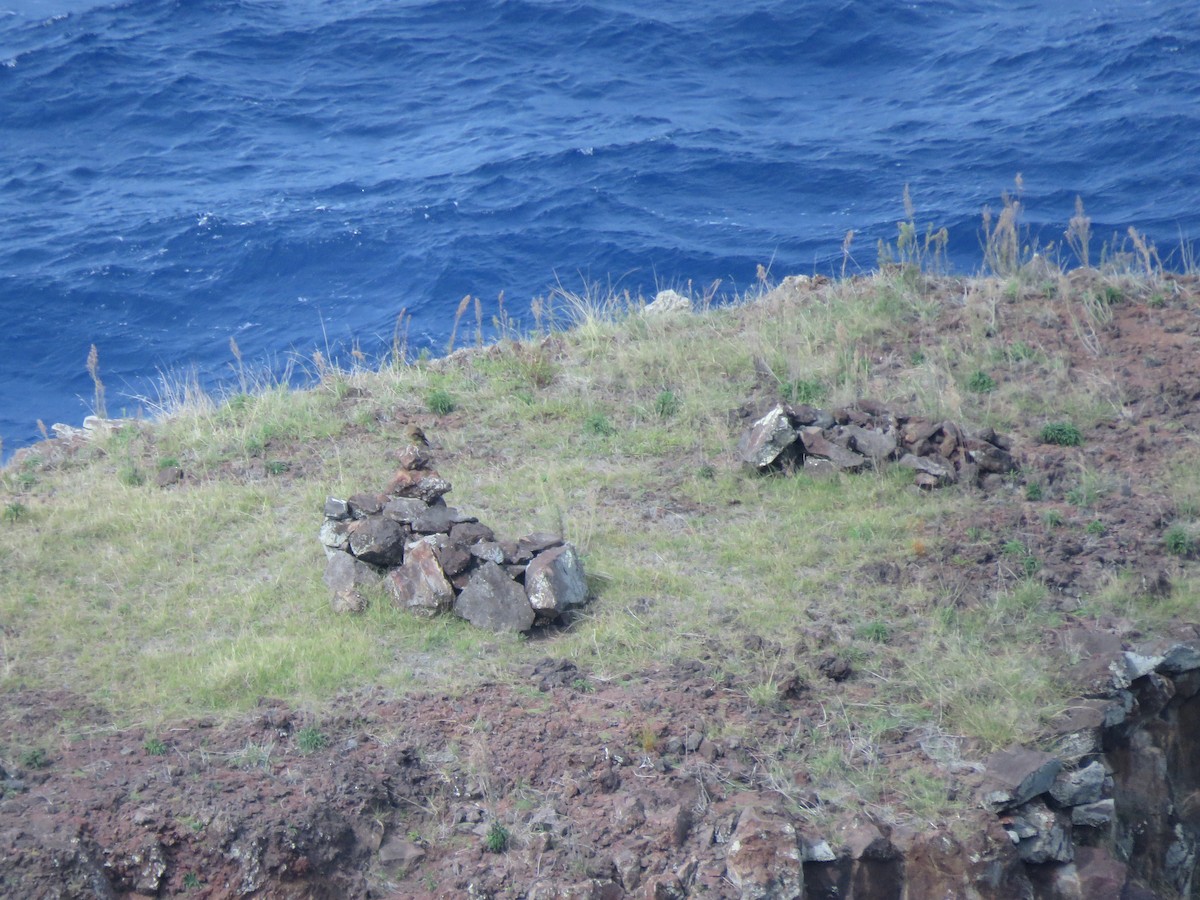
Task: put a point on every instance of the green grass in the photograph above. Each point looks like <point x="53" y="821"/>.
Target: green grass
<point x="202" y="599"/>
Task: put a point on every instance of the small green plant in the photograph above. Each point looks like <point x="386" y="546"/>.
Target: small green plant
<point x="1095" y="528"/>
<point x="1064" y="434"/>
<point x="191" y="881"/>
<point x="1020" y="553"/>
<point x="803" y="390"/>
<point x="666" y="404"/>
<point x="496" y="839"/>
<point x="130" y="475"/>
<point x="582" y="685"/>
<point x="440" y="402"/>
<point x="14" y="512"/>
<point x="37" y="758"/>
<point x="310" y="739"/>
<point x="598" y="425"/>
<point x="981" y="383"/>
<point x="168" y="462"/>
<point x="1053" y="518"/>
<point x="764" y="694"/>
<point x="1019" y="351"/>
<point x="1178" y="541"/>
<point x="707" y="472"/>
<point x="191" y="823"/>
<point x="277" y="467"/>
<point x="155" y="747"/>
<point x="1033" y="491"/>
<point x="875" y="631"/>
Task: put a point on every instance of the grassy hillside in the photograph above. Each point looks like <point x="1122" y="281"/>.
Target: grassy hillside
<point x="618" y="429"/>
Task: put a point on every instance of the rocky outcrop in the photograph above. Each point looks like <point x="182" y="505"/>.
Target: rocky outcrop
<point x="434" y="559"/>
<point x="867" y="435"/>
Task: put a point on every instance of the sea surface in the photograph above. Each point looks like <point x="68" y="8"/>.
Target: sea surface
<point x="293" y="174"/>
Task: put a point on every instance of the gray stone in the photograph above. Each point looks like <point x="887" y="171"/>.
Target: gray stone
<point x="816" y="444"/>
<point x="1129" y="667"/>
<point x="363" y="505"/>
<point x="344" y="573"/>
<point x="1180" y="658"/>
<point x="378" y="541"/>
<point x="1094" y="815"/>
<point x="1083" y="786"/>
<point x="493" y="600"/>
<point x="764" y="860"/>
<point x="420" y="585"/>
<point x="437" y="518"/>
<point x="554" y="582"/>
<point x="941" y="471"/>
<point x="666" y="302"/>
<point x="1017" y="775"/>
<point x="488" y="551"/>
<point x="1043" y="835"/>
<point x="405" y="509"/>
<point x="336" y="509"/>
<point x="874" y="444"/>
<point x="469" y="533"/>
<point x="398" y="852"/>
<point x="335" y="535"/>
<point x="767" y="439"/>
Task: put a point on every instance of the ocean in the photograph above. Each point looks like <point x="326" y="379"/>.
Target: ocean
<point x="293" y="174"/>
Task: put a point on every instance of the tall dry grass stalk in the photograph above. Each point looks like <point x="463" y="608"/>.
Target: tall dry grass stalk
<point x="93" y="367"/>
<point x="459" y="313"/>
<point x="1079" y="234"/>
<point x="1002" y="239"/>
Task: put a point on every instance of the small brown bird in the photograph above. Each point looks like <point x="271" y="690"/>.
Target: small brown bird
<point x="417" y="436"/>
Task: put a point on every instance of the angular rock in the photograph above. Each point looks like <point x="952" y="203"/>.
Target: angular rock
<point x="1129" y="667"/>
<point x="378" y="541"/>
<point x="425" y="485"/>
<point x="438" y="517"/>
<point x="938" y="469"/>
<point x="764" y="860"/>
<point x="666" y="302"/>
<point x="398" y="852"/>
<point x="336" y="509"/>
<point x="335" y="535"/>
<point x="345" y="573"/>
<point x="168" y="476"/>
<point x="767" y="439"/>
<point x="413" y="458"/>
<point x="1016" y="775"/>
<point x="362" y="505"/>
<point x="1083" y="786"/>
<point x="493" y="600"/>
<point x="1041" y="834"/>
<point x="420" y="585"/>
<point x="873" y="444"/>
<point x="533" y="544"/>
<point x="1180" y="658"/>
<point x="816" y="444"/>
<point x="469" y="533"/>
<point x="554" y="582"/>
<point x="1099" y="814"/>
<point x="489" y="551"/>
<point x="405" y="509"/>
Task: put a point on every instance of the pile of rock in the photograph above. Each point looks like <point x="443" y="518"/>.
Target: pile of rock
<point x="863" y="436"/>
<point x="434" y="559"/>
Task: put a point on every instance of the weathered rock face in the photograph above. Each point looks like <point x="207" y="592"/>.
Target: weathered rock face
<point x="867" y="436"/>
<point x="764" y="860"/>
<point x="431" y="556"/>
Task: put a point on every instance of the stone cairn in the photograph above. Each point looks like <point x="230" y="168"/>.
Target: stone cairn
<point x="433" y="559"/>
<point x="866" y="435"/>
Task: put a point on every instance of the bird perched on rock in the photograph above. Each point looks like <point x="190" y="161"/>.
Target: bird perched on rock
<point x="416" y="436"/>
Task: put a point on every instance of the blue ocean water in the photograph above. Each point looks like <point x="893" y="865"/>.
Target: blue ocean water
<point x="294" y="173"/>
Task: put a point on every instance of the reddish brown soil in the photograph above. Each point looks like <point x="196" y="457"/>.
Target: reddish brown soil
<point x="604" y="789"/>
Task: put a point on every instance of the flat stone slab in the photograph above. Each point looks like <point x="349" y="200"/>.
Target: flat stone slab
<point x="1017" y="775"/>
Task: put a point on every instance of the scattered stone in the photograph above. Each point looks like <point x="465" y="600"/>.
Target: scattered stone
<point x="1180" y="658"/>
<point x="866" y="435"/>
<point x="413" y="458"/>
<point x="1094" y="815"/>
<point x="345" y="573"/>
<point x="400" y="853"/>
<point x="349" y="602"/>
<point x="336" y="509"/>
<point x="1041" y="834"/>
<point x="421" y="484"/>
